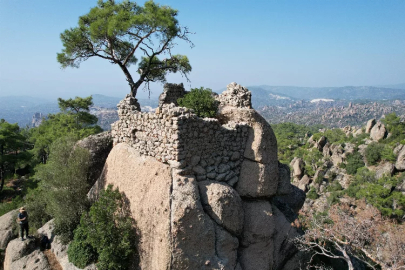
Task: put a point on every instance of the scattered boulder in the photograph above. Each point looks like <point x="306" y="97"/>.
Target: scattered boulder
<point x="298" y="167"/>
<point x="370" y="125"/>
<point x="320" y="143"/>
<point x="400" y="163"/>
<point x="303" y="184"/>
<point x="378" y="131"/>
<point x="358" y="132"/>
<point x="6" y="227"/>
<point x="385" y="168"/>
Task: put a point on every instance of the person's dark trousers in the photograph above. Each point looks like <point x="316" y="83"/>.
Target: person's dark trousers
<point x="24" y="227"/>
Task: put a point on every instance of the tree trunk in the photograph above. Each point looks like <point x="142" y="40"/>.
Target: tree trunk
<point x="134" y="86"/>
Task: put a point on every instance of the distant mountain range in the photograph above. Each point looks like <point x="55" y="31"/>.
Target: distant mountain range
<point x="20" y="109"/>
<point x="265" y="95"/>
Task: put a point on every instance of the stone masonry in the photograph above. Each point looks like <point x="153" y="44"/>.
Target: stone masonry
<point x="205" y="193"/>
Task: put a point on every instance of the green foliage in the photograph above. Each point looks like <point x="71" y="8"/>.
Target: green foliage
<point x="378" y="192"/>
<point x="291" y="139"/>
<point x="312" y="194"/>
<point x="13" y="154"/>
<point x="116" y="32"/>
<point x="9" y="206"/>
<point x="105" y="234"/>
<point x="201" y="100"/>
<point x="74" y="121"/>
<point x="394" y="126"/>
<point x="336" y="136"/>
<point x="354" y="162"/>
<point x="64" y="185"/>
<point x="373" y="153"/>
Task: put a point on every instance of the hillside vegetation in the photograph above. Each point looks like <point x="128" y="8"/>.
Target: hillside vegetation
<point x="352" y="177"/>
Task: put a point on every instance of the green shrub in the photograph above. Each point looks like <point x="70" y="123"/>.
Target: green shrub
<point x="64" y="185"/>
<point x="354" y="162"/>
<point x="105" y="234"/>
<point x="373" y="153"/>
<point x="312" y="194"/>
<point x="201" y="100"/>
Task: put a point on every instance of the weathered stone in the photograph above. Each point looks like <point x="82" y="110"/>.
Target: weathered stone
<point x="400" y="163"/>
<point x="385" y="168"/>
<point x="283" y="247"/>
<point x="378" y="131"/>
<point x="189" y="224"/>
<point x="284" y="184"/>
<point x="223" y="204"/>
<point x="6" y="227"/>
<point x="227" y="248"/>
<point x="298" y="167"/>
<point x="370" y="125"/>
<point x="304" y="183"/>
<point x="257" y="180"/>
<point x="99" y="146"/>
<point x="294" y="200"/>
<point x="257" y="245"/>
<point x="17" y="249"/>
<point x="146" y="184"/>
<point x="171" y="93"/>
<point x="33" y="261"/>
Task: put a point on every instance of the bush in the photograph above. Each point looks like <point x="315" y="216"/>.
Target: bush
<point x="64" y="185"/>
<point x="354" y="162"/>
<point x="201" y="100"/>
<point x="105" y="234"/>
<point x="373" y="153"/>
<point x="312" y="194"/>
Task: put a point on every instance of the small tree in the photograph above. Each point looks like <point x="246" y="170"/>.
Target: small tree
<point x="116" y="32"/>
<point x="105" y="234"/>
<point x="75" y="120"/>
<point x="345" y="235"/>
<point x="12" y="149"/>
<point x="201" y="100"/>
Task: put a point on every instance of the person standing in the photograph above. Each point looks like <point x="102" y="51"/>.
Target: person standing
<point x="23" y="221"/>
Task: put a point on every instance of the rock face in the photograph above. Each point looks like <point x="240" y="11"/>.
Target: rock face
<point x="6" y="227"/>
<point x="201" y="191"/>
<point x="370" y="125"/>
<point x="99" y="146"/>
<point x="378" y="131"/>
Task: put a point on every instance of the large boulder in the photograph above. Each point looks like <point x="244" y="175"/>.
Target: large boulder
<point x="99" y="146"/>
<point x="400" y="163"/>
<point x="202" y="191"/>
<point x="378" y="131"/>
<point x="6" y="227"/>
<point x="298" y="167"/>
<point x="386" y="168"/>
<point x="16" y="250"/>
<point x="370" y="125"/>
<point x="223" y="204"/>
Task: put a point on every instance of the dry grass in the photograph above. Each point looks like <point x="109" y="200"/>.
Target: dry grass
<point x="53" y="262"/>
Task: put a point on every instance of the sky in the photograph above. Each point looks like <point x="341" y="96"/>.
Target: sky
<point x="312" y="43"/>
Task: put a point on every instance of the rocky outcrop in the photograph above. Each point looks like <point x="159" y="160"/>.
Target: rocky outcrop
<point x="171" y="92"/>
<point x="24" y="255"/>
<point x="202" y="191"/>
<point x="6" y="227"/>
<point x="378" y="131"/>
<point x="384" y="169"/>
<point x="99" y="146"/>
<point x="370" y="125"/>
<point x="298" y="167"/>
<point x="400" y="163"/>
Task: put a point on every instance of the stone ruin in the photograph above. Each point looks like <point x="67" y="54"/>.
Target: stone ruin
<point x="204" y="193"/>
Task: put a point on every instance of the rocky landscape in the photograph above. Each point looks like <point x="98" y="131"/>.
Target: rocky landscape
<point x="188" y="179"/>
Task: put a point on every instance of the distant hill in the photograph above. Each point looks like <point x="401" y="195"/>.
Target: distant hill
<point x="20" y="109"/>
<point x="337" y="93"/>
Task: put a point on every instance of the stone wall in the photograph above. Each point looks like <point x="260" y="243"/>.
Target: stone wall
<point x="176" y="136"/>
<point x="204" y="193"/>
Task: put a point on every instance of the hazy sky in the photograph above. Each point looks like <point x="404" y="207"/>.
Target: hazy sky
<point x="251" y="42"/>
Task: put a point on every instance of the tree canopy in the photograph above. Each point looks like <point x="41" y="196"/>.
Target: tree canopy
<point x="126" y="34"/>
<point x="201" y="100"/>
